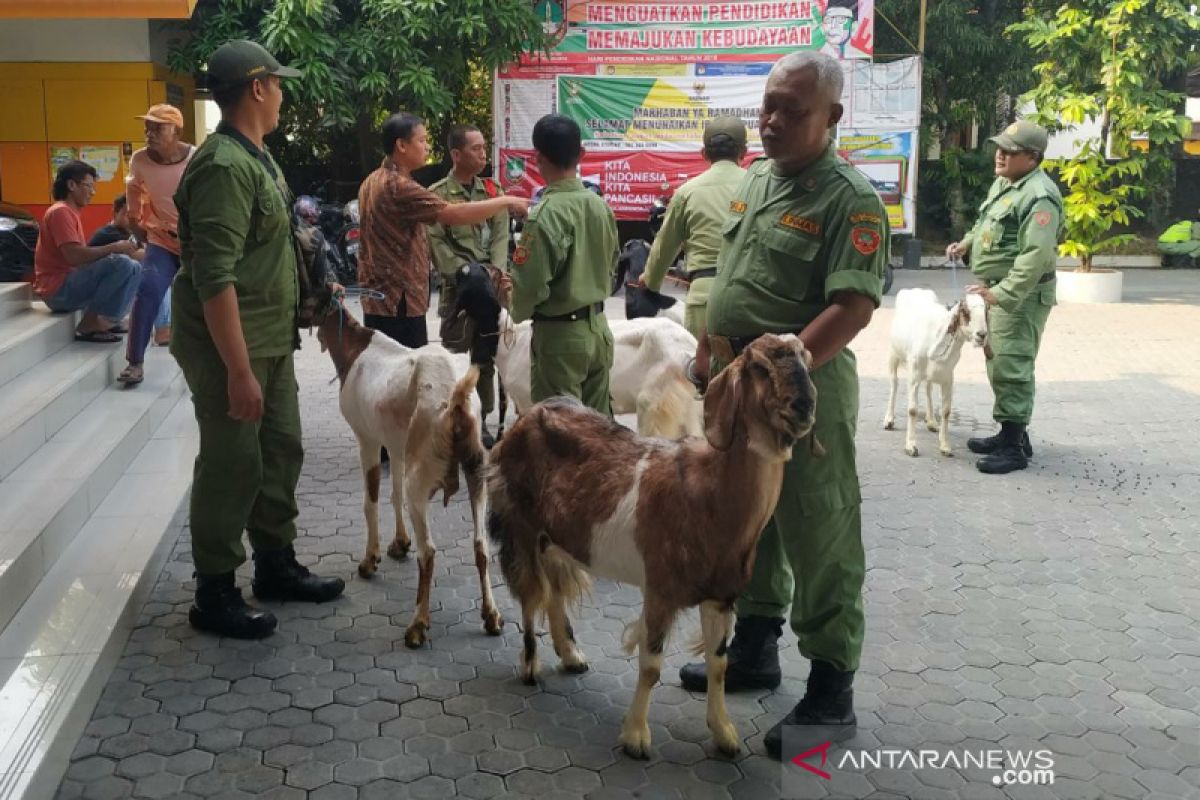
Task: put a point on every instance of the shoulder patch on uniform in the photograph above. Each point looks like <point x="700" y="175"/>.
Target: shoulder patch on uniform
<point x="865" y="240"/>
<point x="737" y="206"/>
<point x="801" y="224"/>
<point x="521" y="254"/>
<point x="873" y="219"/>
<point x="1042" y="218"/>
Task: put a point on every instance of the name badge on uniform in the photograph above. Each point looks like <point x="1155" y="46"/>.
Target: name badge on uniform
<point x="801" y="224"/>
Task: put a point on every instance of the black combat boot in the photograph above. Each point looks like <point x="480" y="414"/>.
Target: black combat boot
<point x="753" y="658"/>
<point x="826" y="712"/>
<point x="220" y="609"/>
<point x="278" y="576"/>
<point x="987" y="445"/>
<point x="1010" y="454"/>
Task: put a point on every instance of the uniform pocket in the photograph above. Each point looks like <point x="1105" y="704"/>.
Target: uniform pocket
<point x="732" y="223"/>
<point x="271" y="217"/>
<point x="787" y="268"/>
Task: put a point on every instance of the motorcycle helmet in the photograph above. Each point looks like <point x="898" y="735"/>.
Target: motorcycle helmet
<point x="307" y="208"/>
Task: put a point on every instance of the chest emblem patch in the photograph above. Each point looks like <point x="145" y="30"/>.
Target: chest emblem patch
<point x="521" y="254"/>
<point x="865" y="240"/>
<point x="801" y="224"/>
<point x="1042" y="218"/>
<point x="738" y="206"/>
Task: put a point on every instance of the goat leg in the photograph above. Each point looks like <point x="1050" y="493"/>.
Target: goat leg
<point x="716" y="620"/>
<point x="501" y="406"/>
<point x="930" y="420"/>
<point x="944" y="431"/>
<point x="493" y="623"/>
<point x="563" y="636"/>
<point x="368" y="455"/>
<point x="416" y="634"/>
<point x="529" y="661"/>
<point x="401" y="543"/>
<point x="652" y="629"/>
<point x="910" y="435"/>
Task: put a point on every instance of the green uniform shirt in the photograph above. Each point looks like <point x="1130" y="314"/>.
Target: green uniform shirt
<point x="1015" y="241"/>
<point x="568" y="253"/>
<point x="454" y="245"/>
<point x="696" y="218"/>
<point x="235" y="229"/>
<point x="792" y="242"/>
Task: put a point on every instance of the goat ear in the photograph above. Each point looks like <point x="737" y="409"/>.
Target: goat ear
<point x="956" y="319"/>
<point x="722" y="402"/>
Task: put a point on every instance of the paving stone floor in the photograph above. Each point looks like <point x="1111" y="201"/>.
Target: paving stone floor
<point x="1053" y="609"/>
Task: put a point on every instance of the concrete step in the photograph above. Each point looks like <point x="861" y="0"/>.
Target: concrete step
<point x="57" y="653"/>
<point x="30" y="337"/>
<point x="15" y="298"/>
<point x="38" y="403"/>
<point x="47" y="498"/>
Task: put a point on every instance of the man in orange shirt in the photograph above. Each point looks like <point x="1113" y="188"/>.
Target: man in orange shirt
<point x="69" y="275"/>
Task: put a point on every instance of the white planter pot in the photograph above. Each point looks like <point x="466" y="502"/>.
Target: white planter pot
<point x="1097" y="286"/>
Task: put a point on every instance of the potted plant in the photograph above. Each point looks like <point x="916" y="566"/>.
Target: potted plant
<point x="1108" y="62"/>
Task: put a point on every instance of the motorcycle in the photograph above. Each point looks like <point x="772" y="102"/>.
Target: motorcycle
<point x="347" y="243"/>
<point x="18" y="238"/>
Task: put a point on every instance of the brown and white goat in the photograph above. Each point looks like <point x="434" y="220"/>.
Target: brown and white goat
<point x="573" y="492"/>
<point x="412" y="403"/>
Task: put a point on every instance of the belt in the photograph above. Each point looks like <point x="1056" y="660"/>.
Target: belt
<point x="707" y="272"/>
<point x="727" y="348"/>
<point x="1049" y="276"/>
<point x="574" y="316"/>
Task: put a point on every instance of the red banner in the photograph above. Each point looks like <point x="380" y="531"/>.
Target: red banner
<point x="630" y="181"/>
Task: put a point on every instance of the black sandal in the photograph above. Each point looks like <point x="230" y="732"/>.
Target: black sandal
<point x="98" y="337"/>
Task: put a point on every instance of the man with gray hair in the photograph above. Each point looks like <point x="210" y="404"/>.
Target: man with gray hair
<point x="804" y="251"/>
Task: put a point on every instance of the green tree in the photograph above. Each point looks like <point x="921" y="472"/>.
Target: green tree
<point x="1111" y="61"/>
<point x="364" y="59"/>
<point x="970" y="73"/>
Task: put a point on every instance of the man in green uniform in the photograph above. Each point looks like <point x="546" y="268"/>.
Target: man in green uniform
<point x="696" y="217"/>
<point x="234" y="310"/>
<point x="1013" y="248"/>
<point x="562" y="272"/>
<point x="452" y="246"/>
<point x="805" y="248"/>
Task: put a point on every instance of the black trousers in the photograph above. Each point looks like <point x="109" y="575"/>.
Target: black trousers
<point x="408" y="331"/>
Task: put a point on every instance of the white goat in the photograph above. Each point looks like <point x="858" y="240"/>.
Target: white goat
<point x="647" y="378"/>
<point x="927" y="339"/>
<point x="413" y="403"/>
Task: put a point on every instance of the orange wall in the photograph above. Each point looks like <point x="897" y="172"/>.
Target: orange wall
<point x="48" y="106"/>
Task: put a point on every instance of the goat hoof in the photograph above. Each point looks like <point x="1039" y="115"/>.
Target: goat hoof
<point x="727" y="739"/>
<point x="398" y="551"/>
<point x="946" y="452"/>
<point x="415" y="637"/>
<point x="529" y="674"/>
<point x="636" y="744"/>
<point x="889" y="425"/>
<point x="367" y="568"/>
<point x="912" y="451"/>
<point x="493" y="623"/>
<point x="575" y="667"/>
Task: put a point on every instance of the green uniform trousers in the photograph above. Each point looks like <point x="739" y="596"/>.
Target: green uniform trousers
<point x="486" y="388"/>
<point x="246" y="472"/>
<point x="573" y="358"/>
<point x="811" y="555"/>
<point x="1015" y="337"/>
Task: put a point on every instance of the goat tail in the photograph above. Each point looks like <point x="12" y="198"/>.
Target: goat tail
<point x="667" y="406"/>
<point x="458" y="440"/>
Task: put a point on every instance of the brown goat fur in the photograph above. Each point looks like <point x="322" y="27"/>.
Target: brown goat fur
<point x="574" y="493"/>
